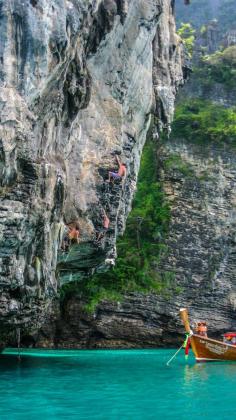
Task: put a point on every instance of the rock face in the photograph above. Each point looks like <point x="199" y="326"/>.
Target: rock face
<point x="137" y="322"/>
<point x="200" y="185"/>
<point x="209" y="41"/>
<point x="198" y="264"/>
<point x="79" y="80"/>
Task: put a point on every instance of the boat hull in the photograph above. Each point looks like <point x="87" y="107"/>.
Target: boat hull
<point x="206" y="349"/>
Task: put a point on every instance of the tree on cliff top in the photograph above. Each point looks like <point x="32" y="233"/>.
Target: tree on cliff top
<point x="186" y="32"/>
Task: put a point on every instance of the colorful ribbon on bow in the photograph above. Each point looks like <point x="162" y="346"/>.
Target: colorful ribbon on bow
<point x="186" y="345"/>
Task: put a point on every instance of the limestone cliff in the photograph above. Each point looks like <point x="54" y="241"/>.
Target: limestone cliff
<point x="198" y="263"/>
<point x="79" y="80"/>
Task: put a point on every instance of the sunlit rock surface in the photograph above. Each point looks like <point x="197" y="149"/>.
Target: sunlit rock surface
<point x="198" y="261"/>
<point x="198" y="265"/>
<point x="79" y="80"/>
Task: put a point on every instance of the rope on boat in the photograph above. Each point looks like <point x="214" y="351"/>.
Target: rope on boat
<point x="182" y="345"/>
<point x="18" y="343"/>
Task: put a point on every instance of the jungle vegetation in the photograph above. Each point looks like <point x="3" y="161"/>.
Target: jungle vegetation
<point x="201" y="120"/>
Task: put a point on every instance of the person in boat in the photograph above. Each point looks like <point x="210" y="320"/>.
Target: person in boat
<point x="121" y="173"/>
<point x="105" y="226"/>
<point x="230" y="338"/>
<point x="201" y="329"/>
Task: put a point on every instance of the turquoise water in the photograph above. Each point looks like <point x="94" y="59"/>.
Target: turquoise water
<point x="106" y="384"/>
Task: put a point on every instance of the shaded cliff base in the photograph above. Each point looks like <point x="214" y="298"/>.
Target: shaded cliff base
<point x="139" y="321"/>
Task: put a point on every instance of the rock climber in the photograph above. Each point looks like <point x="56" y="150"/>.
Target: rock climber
<point x="105" y="226"/>
<point x="71" y="235"/>
<point x="121" y="173"/>
<point x="187" y="2"/>
<point x="74" y="233"/>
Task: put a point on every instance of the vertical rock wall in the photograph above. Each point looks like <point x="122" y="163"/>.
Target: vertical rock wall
<point x="79" y="80"/>
<point x="197" y="266"/>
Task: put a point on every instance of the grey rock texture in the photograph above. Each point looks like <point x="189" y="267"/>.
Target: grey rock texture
<point x="201" y="187"/>
<point x="198" y="264"/>
<point x="79" y="80"/>
<point x="137" y="322"/>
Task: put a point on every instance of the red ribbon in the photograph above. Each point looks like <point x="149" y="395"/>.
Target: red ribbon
<point x="187" y="347"/>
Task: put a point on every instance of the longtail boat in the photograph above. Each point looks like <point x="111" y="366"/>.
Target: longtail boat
<point x="207" y="349"/>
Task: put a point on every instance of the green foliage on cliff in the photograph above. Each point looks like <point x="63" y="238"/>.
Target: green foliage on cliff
<point x="219" y="67"/>
<point x="186" y="32"/>
<point x="139" y="249"/>
<point x="175" y="162"/>
<point x="201" y="120"/>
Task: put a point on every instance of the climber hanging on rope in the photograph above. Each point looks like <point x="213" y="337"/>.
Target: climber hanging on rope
<point x="121" y="173"/>
<point x="105" y="225"/>
<point x="71" y="236"/>
<point x="74" y="233"/>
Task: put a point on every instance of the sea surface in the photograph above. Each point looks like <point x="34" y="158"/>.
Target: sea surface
<point x="107" y="384"/>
